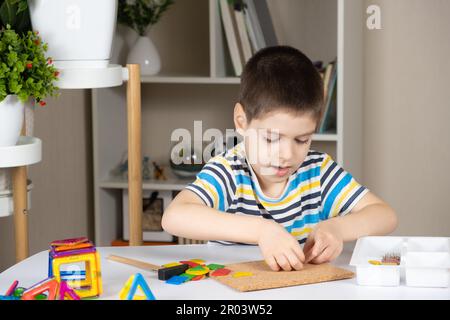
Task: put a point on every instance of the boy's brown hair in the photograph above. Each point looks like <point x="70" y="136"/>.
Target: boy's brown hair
<point x="283" y="78"/>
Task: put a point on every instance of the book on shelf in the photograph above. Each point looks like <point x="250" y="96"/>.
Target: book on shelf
<point x="262" y="23"/>
<point x="328" y="121"/>
<point x="326" y="79"/>
<point x="231" y="35"/>
<point x="242" y="30"/>
<point x="248" y="28"/>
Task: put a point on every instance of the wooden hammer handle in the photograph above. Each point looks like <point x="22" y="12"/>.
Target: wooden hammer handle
<point x="134" y="263"/>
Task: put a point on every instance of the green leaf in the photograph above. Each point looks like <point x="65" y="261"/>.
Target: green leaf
<point x="8" y="12"/>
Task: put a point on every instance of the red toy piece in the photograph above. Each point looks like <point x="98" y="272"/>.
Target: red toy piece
<point x="220" y="272"/>
<point x="50" y="285"/>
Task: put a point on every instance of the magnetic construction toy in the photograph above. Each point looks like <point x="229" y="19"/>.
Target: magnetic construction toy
<point x="77" y="262"/>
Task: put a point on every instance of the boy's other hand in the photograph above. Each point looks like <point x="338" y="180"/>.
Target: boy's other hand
<point x="280" y="250"/>
<point x="323" y="245"/>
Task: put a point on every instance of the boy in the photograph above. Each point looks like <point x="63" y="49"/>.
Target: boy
<point x="272" y="190"/>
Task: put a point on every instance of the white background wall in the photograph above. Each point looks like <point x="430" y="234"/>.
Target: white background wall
<point x="407" y="113"/>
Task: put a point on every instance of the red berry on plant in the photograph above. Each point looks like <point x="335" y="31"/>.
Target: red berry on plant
<point x="29" y="65"/>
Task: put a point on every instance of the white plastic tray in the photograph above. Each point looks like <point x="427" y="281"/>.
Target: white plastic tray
<point x="425" y="261"/>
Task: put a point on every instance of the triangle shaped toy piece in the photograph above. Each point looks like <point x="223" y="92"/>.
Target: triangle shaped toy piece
<point x="50" y="285"/>
<point x="65" y="291"/>
<point x="139" y="282"/>
<point x="126" y="288"/>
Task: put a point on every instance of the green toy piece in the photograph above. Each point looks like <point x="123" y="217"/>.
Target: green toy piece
<point x="188" y="276"/>
<point x="198" y="268"/>
<point x="19" y="292"/>
<point x="214" y="266"/>
<point x="40" y="297"/>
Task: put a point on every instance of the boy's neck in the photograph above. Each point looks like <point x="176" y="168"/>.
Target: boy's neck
<point x="271" y="189"/>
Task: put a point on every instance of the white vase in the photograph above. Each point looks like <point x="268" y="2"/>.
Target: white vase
<point x="11" y="120"/>
<point x="146" y="55"/>
<point x="79" y="33"/>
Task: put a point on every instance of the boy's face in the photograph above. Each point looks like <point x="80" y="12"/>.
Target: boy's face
<point x="277" y="143"/>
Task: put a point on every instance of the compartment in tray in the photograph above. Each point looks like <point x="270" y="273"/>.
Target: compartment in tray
<point x="373" y="249"/>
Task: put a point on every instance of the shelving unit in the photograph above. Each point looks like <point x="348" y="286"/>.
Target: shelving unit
<point x="26" y="152"/>
<point x="195" y="84"/>
<point x="115" y="75"/>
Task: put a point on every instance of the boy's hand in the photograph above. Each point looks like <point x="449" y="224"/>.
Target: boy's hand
<point x="323" y="245"/>
<point x="279" y="248"/>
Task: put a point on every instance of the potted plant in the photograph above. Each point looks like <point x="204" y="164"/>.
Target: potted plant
<point x="140" y="15"/>
<point x="15" y="13"/>
<point x="25" y="73"/>
<point x="80" y="31"/>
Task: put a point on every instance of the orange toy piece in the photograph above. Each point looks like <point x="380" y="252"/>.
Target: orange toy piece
<point x="50" y="285"/>
<point x="73" y="247"/>
<point x="69" y="242"/>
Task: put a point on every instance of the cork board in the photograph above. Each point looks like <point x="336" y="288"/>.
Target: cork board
<point x="264" y="278"/>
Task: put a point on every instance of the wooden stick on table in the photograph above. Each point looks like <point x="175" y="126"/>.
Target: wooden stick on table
<point x="163" y="273"/>
<point x="135" y="263"/>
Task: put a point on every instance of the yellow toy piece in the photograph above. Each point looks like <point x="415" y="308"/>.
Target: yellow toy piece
<point x="126" y="288"/>
<point x="131" y="287"/>
<point x="172" y="264"/>
<point x="199" y="261"/>
<point x="198" y="271"/>
<point x="242" y="274"/>
<point x="91" y="286"/>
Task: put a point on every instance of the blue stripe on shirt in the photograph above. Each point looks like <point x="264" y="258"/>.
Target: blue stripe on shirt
<point x="211" y="180"/>
<point x="333" y="194"/>
<point x="308" y="219"/>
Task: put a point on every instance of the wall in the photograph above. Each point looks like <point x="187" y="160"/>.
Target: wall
<point x="406" y="113"/>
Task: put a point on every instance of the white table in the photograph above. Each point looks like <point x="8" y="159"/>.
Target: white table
<point x="34" y="269"/>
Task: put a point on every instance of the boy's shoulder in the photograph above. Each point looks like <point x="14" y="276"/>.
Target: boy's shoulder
<point x="315" y="157"/>
<point x="233" y="156"/>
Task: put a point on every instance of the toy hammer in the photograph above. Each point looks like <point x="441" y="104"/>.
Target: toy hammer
<point x="163" y="273"/>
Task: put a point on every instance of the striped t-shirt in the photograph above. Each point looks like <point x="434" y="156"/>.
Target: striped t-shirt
<point x="320" y="189"/>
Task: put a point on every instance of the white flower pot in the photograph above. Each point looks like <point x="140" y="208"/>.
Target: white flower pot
<point x="11" y="120"/>
<point x="146" y="55"/>
<point x="79" y="33"/>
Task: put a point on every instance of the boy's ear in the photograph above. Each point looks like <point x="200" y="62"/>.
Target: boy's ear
<point x="240" y="119"/>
